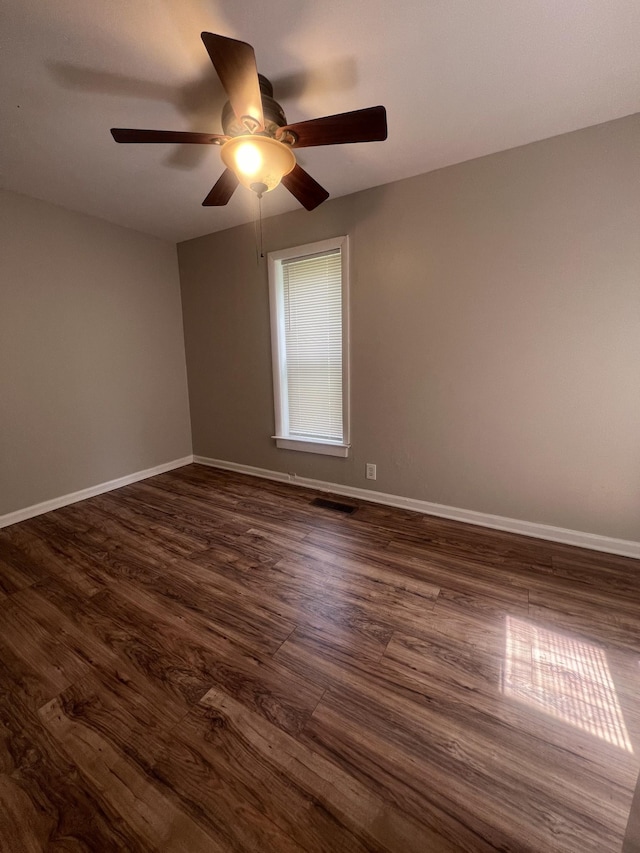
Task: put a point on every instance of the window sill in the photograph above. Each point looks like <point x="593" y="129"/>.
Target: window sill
<point x="310" y="445"/>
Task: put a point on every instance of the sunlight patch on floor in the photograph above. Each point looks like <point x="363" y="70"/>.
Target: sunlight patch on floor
<point x="564" y="677"/>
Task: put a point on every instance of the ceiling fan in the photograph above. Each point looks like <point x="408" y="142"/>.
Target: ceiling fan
<point x="257" y="144"/>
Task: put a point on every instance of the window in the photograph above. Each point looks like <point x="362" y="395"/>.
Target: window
<point x="308" y="291"/>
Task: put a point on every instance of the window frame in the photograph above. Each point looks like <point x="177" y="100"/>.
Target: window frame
<point x="282" y="438"/>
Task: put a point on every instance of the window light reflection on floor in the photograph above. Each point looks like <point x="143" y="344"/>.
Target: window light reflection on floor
<point x="564" y="677"/>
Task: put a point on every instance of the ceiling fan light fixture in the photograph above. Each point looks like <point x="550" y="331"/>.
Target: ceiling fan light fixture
<point x="258" y="161"/>
<point x="256" y="143"/>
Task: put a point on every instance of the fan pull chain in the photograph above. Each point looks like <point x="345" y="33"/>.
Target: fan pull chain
<point x="255" y="232"/>
<point x="257" y="228"/>
<point x="260" y="218"/>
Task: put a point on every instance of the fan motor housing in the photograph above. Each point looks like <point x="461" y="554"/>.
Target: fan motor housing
<point x="274" y="117"/>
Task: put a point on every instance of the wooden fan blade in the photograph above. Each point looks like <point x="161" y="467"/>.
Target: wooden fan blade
<point x="222" y="190"/>
<point x="235" y="63"/>
<point x="368" y="125"/>
<point x="308" y="191"/>
<point x="127" y="134"/>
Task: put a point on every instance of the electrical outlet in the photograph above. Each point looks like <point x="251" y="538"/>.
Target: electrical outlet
<point x="371" y="471"/>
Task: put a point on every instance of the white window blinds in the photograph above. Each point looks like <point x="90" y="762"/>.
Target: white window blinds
<point x="312" y="295"/>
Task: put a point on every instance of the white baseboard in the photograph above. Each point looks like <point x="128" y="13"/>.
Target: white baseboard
<point x="592" y="541"/>
<point x="65" y="500"/>
<point x="264" y="473"/>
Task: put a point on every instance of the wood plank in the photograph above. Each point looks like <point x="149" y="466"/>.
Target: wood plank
<point x="47" y="804"/>
<point x="54" y="563"/>
<point x="593" y="613"/>
<point x="317" y="804"/>
<point x="34" y="647"/>
<point x="443" y="664"/>
<point x="100" y="643"/>
<point x="455" y="739"/>
<point x="463" y="573"/>
<point x="18" y="569"/>
<point x="153" y="818"/>
<point x="205" y="660"/>
<point x="291" y="597"/>
<point x="190" y="660"/>
<point x="207" y="602"/>
<point x="393" y="744"/>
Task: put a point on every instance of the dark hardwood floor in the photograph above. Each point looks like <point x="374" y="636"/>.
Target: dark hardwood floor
<point x="207" y="662"/>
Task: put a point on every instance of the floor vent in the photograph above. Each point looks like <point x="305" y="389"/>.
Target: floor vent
<point x="325" y="503"/>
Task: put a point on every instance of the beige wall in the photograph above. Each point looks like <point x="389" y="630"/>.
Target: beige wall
<point x="495" y="334"/>
<point x="92" y="371"/>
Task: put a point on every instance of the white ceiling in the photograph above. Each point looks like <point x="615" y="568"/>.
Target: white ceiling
<point x="459" y="79"/>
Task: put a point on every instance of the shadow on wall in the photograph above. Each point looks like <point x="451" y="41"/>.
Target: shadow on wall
<point x="632" y="835"/>
<point x="200" y="101"/>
